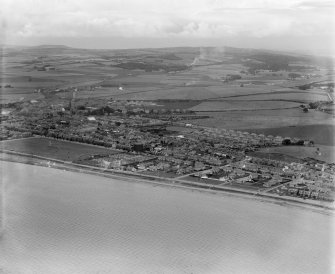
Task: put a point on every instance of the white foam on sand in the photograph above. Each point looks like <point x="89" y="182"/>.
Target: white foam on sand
<point x="64" y="222"/>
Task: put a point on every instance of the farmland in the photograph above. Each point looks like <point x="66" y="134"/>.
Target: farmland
<point x="197" y="79"/>
<point x="293" y="96"/>
<point x="230" y="105"/>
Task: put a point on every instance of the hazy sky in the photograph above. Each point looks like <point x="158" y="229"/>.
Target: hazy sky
<point x="276" y="24"/>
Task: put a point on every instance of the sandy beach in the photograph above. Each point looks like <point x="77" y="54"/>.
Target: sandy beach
<point x="58" y="221"/>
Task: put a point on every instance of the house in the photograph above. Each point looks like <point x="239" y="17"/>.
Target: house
<point x="254" y="175"/>
<point x="306" y="193"/>
<point x="314" y="194"/>
<point x="293" y="191"/>
<point x="141" y="166"/>
<point x="270" y="183"/>
<point x="241" y="179"/>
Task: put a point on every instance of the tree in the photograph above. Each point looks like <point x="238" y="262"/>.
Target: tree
<point x="313" y="105"/>
<point x="286" y="142"/>
<point x="293" y="75"/>
<point x="300" y="143"/>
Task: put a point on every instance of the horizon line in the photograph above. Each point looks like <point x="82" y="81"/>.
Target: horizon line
<point x="296" y="51"/>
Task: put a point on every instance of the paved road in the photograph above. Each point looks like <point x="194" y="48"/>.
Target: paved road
<point x="272" y="188"/>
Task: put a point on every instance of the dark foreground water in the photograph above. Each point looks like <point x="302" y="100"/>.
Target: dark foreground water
<point x="63" y="222"/>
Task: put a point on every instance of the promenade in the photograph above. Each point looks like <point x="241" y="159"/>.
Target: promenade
<point x="8" y="155"/>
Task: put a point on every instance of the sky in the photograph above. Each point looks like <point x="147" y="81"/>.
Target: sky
<point x="295" y="25"/>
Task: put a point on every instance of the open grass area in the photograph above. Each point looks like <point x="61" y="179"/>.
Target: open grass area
<point x="303" y="97"/>
<point x="242" y="105"/>
<point x="52" y="148"/>
<point x="168" y="92"/>
<point x="277" y="156"/>
<point x="263" y="119"/>
<point x="320" y="134"/>
<point x="255" y="101"/>
<point x="319" y="152"/>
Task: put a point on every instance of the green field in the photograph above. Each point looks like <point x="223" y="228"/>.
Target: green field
<point x="290" y="153"/>
<point x="322" y="134"/>
<point x="56" y="149"/>
<point x="242" y="105"/>
<point x="263" y="119"/>
<point x="260" y="99"/>
<point x="303" y="97"/>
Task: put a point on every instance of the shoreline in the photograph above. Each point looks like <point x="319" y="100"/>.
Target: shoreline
<point x="168" y="182"/>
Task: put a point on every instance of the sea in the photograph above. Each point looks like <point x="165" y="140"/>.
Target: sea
<point x="56" y="221"/>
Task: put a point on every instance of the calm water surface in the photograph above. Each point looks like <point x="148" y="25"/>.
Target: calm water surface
<point x="63" y="222"/>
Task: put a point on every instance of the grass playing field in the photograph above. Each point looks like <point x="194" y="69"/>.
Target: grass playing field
<point x="52" y="148"/>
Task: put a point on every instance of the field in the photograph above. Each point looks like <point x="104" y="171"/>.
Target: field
<point x="57" y="149"/>
<point x="263" y="119"/>
<point x="320" y="134"/>
<point x="300" y="97"/>
<point x="319" y="152"/>
<point x="230" y="105"/>
<point x="256" y="99"/>
<point x="277" y="156"/>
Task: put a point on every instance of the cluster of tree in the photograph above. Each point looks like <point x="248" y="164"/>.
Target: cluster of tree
<point x="314" y="105"/>
<point x="294" y="75"/>
<point x="304" y="108"/>
<point x="232" y="77"/>
<point x="288" y="142"/>
<point x="73" y="138"/>
<point x="107" y="110"/>
<point x="98" y="111"/>
<point x="7" y="86"/>
<point x="168" y="111"/>
<point x="101" y="111"/>
<point x="305" y="87"/>
<point x="16" y="105"/>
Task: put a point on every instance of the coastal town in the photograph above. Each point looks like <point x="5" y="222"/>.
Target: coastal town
<point x="165" y="136"/>
<point x="163" y="143"/>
